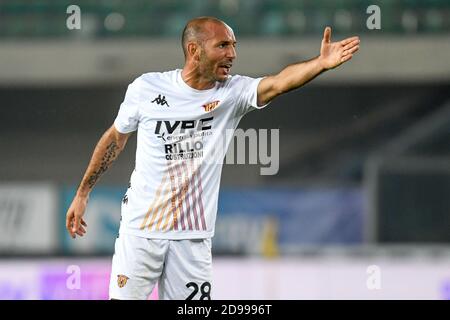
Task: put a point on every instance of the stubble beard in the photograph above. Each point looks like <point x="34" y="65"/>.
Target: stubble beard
<point x="207" y="69"/>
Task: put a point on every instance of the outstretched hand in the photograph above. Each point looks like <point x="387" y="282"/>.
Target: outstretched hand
<point x="333" y="54"/>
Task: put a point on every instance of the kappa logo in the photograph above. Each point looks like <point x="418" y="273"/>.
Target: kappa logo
<point x="210" y="106"/>
<point x="162" y="101"/>
<point x="122" y="280"/>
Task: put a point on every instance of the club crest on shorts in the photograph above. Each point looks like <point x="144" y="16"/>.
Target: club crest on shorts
<point x="122" y="280"/>
<point x="210" y="106"/>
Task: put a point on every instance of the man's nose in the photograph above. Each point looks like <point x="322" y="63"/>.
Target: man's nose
<point x="231" y="53"/>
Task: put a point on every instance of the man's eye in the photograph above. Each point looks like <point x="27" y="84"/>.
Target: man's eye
<point x="222" y="45"/>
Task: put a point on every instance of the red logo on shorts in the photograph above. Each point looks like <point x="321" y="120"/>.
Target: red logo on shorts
<point x="122" y="280"/>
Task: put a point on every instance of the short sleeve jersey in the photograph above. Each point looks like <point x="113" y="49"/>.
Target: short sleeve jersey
<point x="182" y="137"/>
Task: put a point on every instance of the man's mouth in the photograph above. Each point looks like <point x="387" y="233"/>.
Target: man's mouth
<point x="226" y="66"/>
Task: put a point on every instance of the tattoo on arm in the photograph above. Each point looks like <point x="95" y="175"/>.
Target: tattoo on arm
<point x="108" y="158"/>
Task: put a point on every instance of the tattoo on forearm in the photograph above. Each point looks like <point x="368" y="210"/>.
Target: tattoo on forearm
<point x="107" y="159"/>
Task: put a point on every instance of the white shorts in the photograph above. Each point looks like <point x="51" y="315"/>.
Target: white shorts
<point x="182" y="268"/>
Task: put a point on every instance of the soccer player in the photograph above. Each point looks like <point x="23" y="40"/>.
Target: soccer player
<point x="169" y="210"/>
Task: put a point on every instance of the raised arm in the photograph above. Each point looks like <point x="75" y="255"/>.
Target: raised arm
<point x="108" y="148"/>
<point x="332" y="54"/>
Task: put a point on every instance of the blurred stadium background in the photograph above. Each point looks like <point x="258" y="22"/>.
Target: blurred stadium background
<point x="360" y="208"/>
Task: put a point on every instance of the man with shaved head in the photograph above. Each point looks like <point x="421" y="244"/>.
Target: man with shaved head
<point x="202" y="59"/>
<point x="169" y="210"/>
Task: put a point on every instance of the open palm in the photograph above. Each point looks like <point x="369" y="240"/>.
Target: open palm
<point x="332" y="54"/>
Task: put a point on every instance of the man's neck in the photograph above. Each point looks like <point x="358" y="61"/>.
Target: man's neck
<point x="195" y="80"/>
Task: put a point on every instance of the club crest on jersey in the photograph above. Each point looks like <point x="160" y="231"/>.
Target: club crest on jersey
<point x="210" y="106"/>
<point x="122" y="280"/>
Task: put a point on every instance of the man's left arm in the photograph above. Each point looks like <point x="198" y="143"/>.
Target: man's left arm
<point x="332" y="54"/>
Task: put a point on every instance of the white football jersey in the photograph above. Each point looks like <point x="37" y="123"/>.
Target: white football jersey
<point x="182" y="137"/>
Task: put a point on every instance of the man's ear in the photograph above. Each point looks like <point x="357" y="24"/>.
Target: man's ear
<point x="193" y="50"/>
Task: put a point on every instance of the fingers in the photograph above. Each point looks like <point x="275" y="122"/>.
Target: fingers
<point x="349" y="40"/>
<point x="351" y="44"/>
<point x="75" y="224"/>
<point x="81" y="231"/>
<point x="73" y="229"/>
<point x="346" y="58"/>
<point x="327" y="35"/>
<point x="350" y="48"/>
<point x="353" y="50"/>
<point x="69" y="219"/>
<point x="350" y="51"/>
